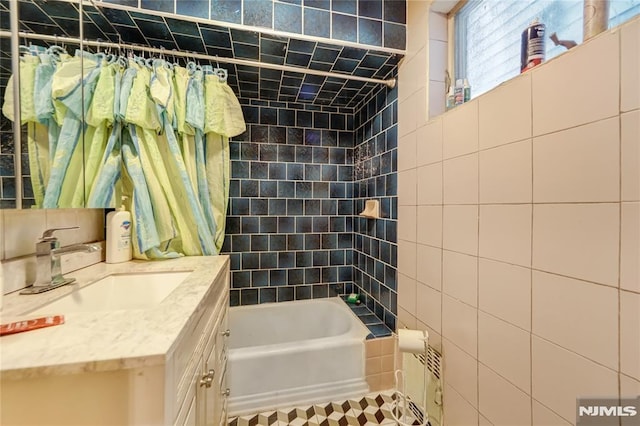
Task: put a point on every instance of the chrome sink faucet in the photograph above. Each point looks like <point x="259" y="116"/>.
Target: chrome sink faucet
<point x="48" y="252"/>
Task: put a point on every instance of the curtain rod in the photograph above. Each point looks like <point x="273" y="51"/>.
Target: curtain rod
<point x="391" y="83"/>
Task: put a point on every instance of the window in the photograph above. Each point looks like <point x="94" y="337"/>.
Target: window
<point x="488" y="34"/>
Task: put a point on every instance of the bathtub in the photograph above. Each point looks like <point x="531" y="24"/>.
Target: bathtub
<point x="294" y="353"/>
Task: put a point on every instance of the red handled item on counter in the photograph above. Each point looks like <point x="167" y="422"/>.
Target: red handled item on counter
<point x="30" y="324"/>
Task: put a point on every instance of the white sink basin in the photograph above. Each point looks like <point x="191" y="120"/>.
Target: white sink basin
<point x="117" y="291"/>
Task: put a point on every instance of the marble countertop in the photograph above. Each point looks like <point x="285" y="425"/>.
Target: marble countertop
<point x="108" y="340"/>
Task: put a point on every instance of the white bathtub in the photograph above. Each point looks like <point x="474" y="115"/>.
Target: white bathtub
<point x="291" y="353"/>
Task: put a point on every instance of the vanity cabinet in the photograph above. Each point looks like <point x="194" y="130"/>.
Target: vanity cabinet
<point x="202" y="392"/>
<point x="185" y="384"/>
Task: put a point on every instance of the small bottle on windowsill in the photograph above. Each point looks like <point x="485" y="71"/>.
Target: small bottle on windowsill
<point x="450" y="100"/>
<point x="458" y="93"/>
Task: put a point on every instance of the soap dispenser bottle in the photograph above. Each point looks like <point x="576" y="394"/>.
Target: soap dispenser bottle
<point x="119" y="235"/>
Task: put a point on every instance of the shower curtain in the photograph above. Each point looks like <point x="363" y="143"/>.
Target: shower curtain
<point x="143" y="130"/>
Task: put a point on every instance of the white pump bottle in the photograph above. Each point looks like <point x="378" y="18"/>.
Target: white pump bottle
<point x="119" y="235"/>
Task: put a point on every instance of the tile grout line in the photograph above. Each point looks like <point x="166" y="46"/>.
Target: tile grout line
<point x="531" y="405"/>
<point x="477" y="257"/>
<point x="620" y="218"/>
<point x="442" y="337"/>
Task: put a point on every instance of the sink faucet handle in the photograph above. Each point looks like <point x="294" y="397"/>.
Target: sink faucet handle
<point x="48" y="234"/>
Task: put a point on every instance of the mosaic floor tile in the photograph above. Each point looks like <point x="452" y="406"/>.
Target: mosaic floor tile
<point x="373" y="409"/>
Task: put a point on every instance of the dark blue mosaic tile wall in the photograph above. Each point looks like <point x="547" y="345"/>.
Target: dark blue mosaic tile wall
<point x="7" y="149"/>
<point x="375" y="177"/>
<point x="290" y="220"/>
<point x="300" y="176"/>
<point x="132" y="26"/>
<point x="379" y="23"/>
<point x="7" y="168"/>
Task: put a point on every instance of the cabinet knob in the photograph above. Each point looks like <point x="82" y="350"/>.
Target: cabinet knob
<point x="226" y="333"/>
<point x="226" y="392"/>
<point x="207" y="379"/>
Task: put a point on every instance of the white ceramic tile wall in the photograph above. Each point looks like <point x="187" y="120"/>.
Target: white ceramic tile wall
<point x="506" y="349"/>
<point x="407" y="152"/>
<point x="544" y="416"/>
<point x="460" y="276"/>
<point x="461" y="371"/>
<point x="629" y="247"/>
<point x="578" y="165"/>
<point x="429" y="184"/>
<point x="406" y="318"/>
<point x="460" y="229"/>
<point x="559" y="376"/>
<point x="92" y="225"/>
<point x="62" y="218"/>
<point x="630" y="155"/>
<point x="417" y="31"/>
<point x="1" y="236"/>
<point x="630" y="67"/>
<point x="576" y="89"/>
<point x="407" y="293"/>
<point x="413" y="74"/>
<point x="412" y="110"/>
<point x="458" y="411"/>
<point x="540" y="188"/>
<point x="460" y="178"/>
<point x="437" y="95"/>
<point x="429" y="266"/>
<point x="502" y="403"/>
<point x="429" y="142"/>
<point x="437" y="26"/>
<point x="629" y="388"/>
<point x="407" y="258"/>
<point x="505" y="113"/>
<point x="629" y="332"/>
<point x="437" y="60"/>
<point x="460" y="139"/>
<point x="505" y="173"/>
<point x="460" y="324"/>
<point x="437" y="68"/>
<point x="483" y="421"/>
<point x="505" y="233"/>
<point x="407" y="187"/>
<point x="577" y="240"/>
<point x="22" y="228"/>
<point x="505" y="291"/>
<point x="429" y="225"/>
<point x="435" y="336"/>
<point x="429" y="310"/>
<point x="407" y="223"/>
<point x="556" y="316"/>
